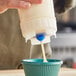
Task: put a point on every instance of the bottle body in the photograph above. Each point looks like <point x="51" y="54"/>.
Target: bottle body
<point x="37" y="19"/>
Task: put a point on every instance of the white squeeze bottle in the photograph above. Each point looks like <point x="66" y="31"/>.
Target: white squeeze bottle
<point x="38" y="19"/>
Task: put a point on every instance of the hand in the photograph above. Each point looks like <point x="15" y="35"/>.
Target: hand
<point x="6" y="4"/>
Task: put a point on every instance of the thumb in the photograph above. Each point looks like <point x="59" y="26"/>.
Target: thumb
<point x="20" y="4"/>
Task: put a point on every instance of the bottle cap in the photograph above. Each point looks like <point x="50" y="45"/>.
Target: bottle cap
<point x="37" y="40"/>
<point x="40" y="36"/>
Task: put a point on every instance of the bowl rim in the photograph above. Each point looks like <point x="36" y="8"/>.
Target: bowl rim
<point x="35" y="61"/>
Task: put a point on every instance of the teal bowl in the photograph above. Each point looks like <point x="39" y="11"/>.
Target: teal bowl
<point x="36" y="67"/>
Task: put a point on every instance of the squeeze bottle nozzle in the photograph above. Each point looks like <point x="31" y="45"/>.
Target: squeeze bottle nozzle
<point x="40" y="36"/>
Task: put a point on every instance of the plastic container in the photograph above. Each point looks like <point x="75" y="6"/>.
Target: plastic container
<point x="38" y="18"/>
<point x="36" y="67"/>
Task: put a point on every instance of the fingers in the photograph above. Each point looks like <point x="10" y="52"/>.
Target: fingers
<point x="17" y="4"/>
<point x="23" y="4"/>
<point x="20" y="4"/>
